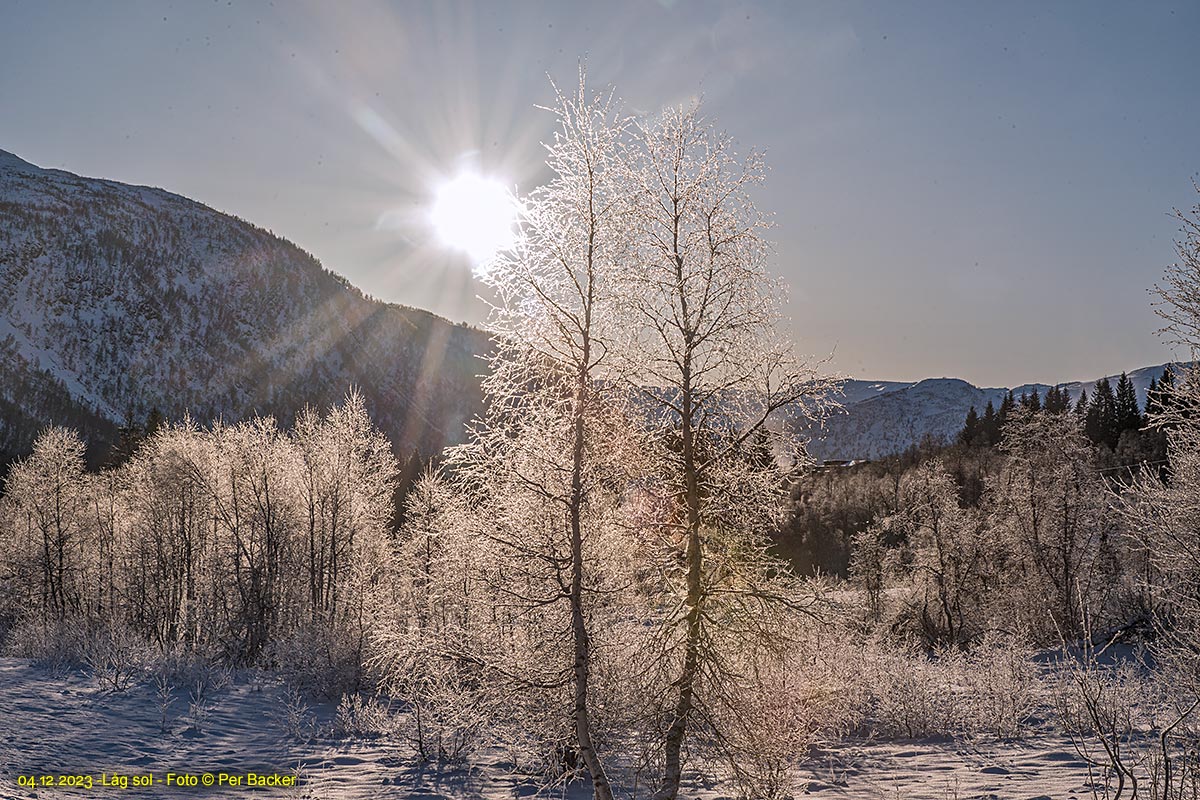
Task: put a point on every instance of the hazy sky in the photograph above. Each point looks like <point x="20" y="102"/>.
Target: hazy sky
<point x="968" y="189"/>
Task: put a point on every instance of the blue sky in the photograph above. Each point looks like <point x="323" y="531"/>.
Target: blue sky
<point x="977" y="190"/>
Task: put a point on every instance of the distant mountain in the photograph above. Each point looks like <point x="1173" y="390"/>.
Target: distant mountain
<point x="1141" y="379"/>
<point x="883" y="418"/>
<point x="892" y="421"/>
<point x="118" y="299"/>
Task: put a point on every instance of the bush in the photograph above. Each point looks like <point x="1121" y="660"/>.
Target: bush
<point x="767" y="725"/>
<point x="54" y="644"/>
<point x="361" y="717"/>
<point x="181" y="665"/>
<point x="988" y="690"/>
<point x="449" y="717"/>
<point x="1000" y="683"/>
<point x="321" y="660"/>
<point x="913" y="695"/>
<point x="117" y="656"/>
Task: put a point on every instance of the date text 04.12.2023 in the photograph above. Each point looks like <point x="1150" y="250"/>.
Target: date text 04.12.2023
<point x="179" y="779"/>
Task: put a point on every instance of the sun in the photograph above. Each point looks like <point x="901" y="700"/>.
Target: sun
<point x="476" y="215"/>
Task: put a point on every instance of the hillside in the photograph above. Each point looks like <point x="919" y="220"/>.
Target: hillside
<point x="118" y="299"/>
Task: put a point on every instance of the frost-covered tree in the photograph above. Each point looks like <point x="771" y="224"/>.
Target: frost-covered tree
<point x="1050" y="509"/>
<point x="551" y="440"/>
<point x="1166" y="511"/>
<point x="248" y="472"/>
<point x="951" y="558"/>
<point x="442" y="649"/>
<point x="243" y="541"/>
<point x="345" y="475"/>
<point x="170" y="545"/>
<point x="46" y="520"/>
<point x="712" y="369"/>
<point x="869" y="557"/>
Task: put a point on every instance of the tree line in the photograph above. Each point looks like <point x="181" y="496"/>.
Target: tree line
<point x="227" y="541"/>
<point x="1106" y="414"/>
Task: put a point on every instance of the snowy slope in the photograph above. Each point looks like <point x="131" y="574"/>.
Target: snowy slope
<point x="116" y="299"/>
<point x="854" y="391"/>
<point x="885" y="418"/>
<point x="893" y="421"/>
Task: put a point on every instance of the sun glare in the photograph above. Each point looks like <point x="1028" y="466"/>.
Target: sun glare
<point x="476" y="215"/>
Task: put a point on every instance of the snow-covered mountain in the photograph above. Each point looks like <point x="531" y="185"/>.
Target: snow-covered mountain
<point x="882" y="418"/>
<point x="1140" y="377"/>
<point x="117" y="299"/>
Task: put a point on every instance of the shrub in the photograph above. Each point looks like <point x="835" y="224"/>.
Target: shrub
<point x="913" y="695"/>
<point x="117" y="656"/>
<point x="321" y="660"/>
<point x="55" y="644"/>
<point x="989" y="690"/>
<point x="1000" y="680"/>
<point x="361" y="717"/>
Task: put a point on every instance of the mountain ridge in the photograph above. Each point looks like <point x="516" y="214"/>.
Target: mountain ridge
<point x="118" y="299"/>
<point x="898" y="415"/>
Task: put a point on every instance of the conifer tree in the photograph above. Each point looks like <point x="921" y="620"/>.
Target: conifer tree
<point x="1128" y="413"/>
<point x="990" y="428"/>
<point x="1100" y="424"/>
<point x="970" y="433"/>
<point x="1068" y="404"/>
<point x="1051" y="399"/>
<point x="1082" y="405"/>
<point x="1092" y="426"/>
<point x="1152" y="398"/>
<point x="1166" y="398"/>
<point x="1160" y="400"/>
<point x="154" y="421"/>
<point x="1006" y="407"/>
<point x="1107" y="400"/>
<point x="1057" y="400"/>
<point x="129" y="438"/>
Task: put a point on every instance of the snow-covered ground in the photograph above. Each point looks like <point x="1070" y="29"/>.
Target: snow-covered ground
<point x="1041" y="769"/>
<point x="64" y="724"/>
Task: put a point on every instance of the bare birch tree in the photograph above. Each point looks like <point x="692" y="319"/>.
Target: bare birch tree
<point x="1048" y="506"/>
<point x="713" y="368"/>
<point x="48" y="495"/>
<point x="1166" y="513"/>
<point x="551" y="383"/>
<point x="950" y="555"/>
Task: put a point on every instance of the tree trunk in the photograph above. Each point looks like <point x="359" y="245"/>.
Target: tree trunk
<point x="673" y="744"/>
<point x="581" y="668"/>
<point x="673" y="756"/>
